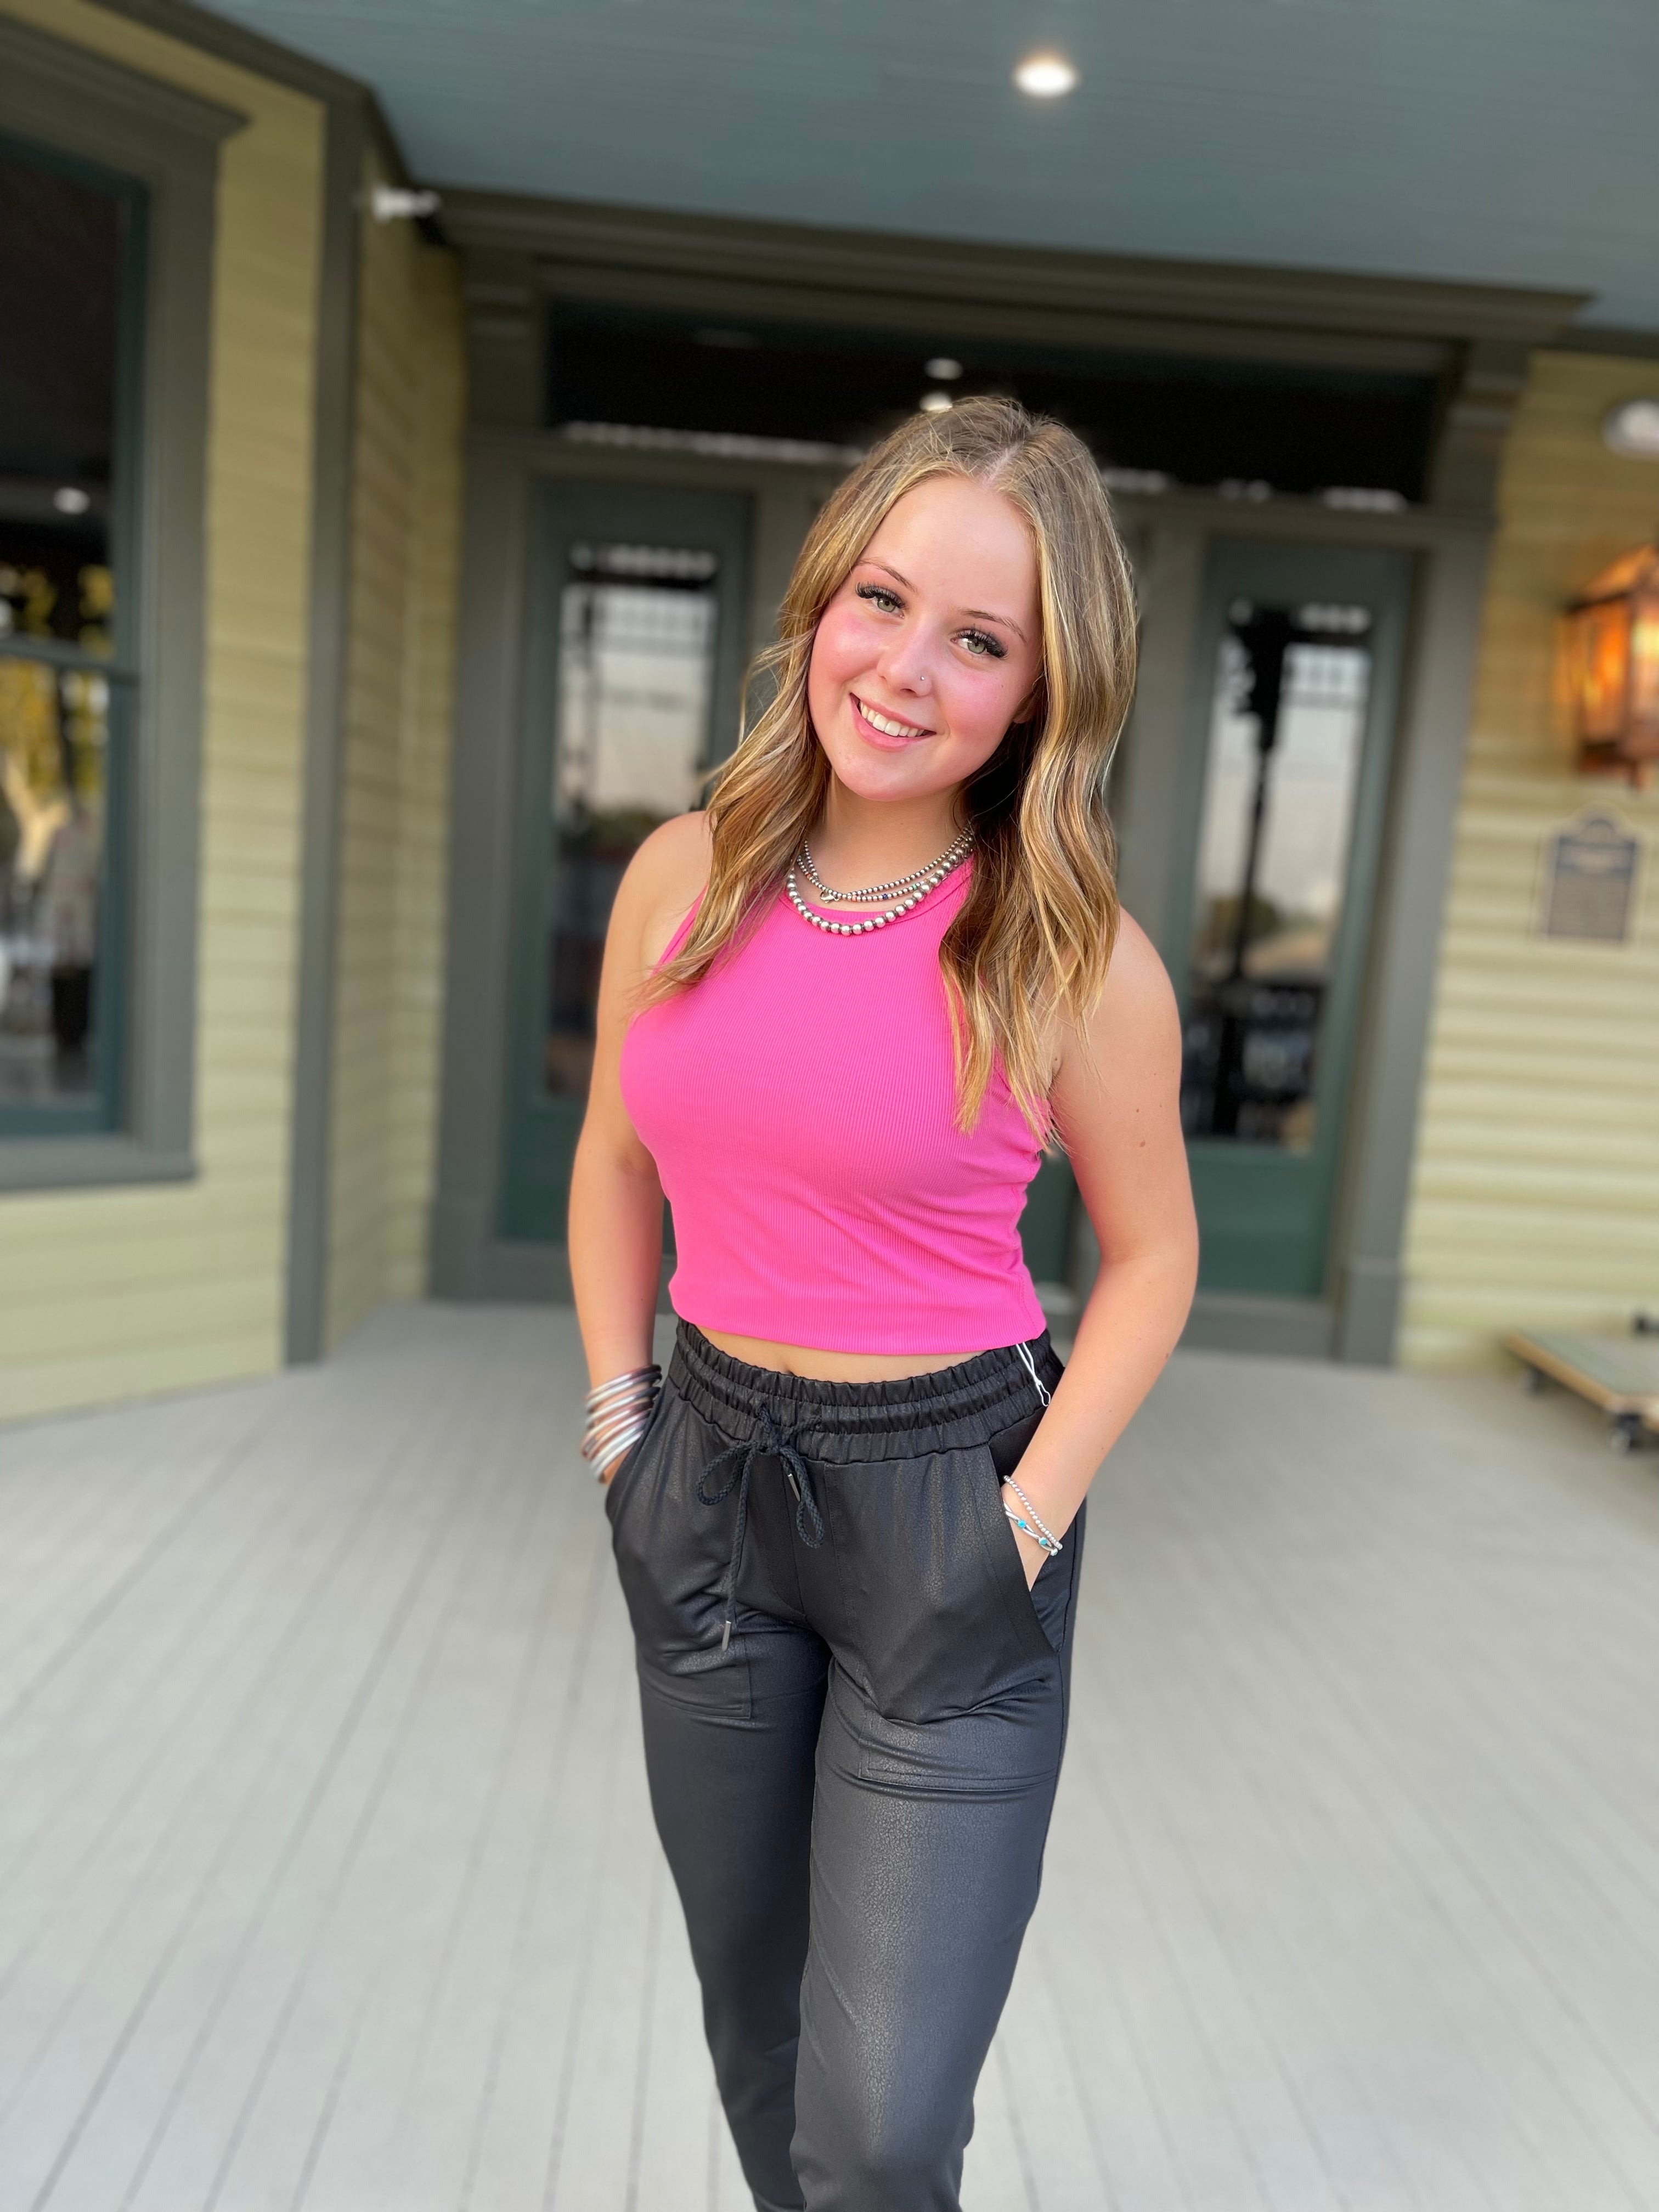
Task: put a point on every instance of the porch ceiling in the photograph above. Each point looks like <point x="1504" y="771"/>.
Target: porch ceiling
<point x="1507" y="142"/>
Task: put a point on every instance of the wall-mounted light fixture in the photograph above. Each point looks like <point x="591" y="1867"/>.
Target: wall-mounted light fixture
<point x="1611" y="656"/>
<point x="401" y="204"/>
<point x="1633" y="428"/>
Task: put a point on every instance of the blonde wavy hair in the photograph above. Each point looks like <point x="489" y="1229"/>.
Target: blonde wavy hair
<point x="1034" y="934"/>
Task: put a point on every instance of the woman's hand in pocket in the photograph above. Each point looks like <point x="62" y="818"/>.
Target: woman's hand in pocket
<point x="608" y="1473"/>
<point x="1031" y="1553"/>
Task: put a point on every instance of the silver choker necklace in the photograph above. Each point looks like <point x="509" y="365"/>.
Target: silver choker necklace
<point x="924" y="880"/>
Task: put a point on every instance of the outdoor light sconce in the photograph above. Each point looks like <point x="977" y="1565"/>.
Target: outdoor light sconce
<point x="1612" y="660"/>
<point x="401" y="204"/>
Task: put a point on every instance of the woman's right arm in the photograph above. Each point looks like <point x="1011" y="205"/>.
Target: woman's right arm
<point x="614" y="1223"/>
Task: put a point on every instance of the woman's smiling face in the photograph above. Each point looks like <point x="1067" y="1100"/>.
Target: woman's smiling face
<point x="932" y="647"/>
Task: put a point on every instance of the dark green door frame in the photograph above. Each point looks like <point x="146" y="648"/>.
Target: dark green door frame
<point x="1266" y="1211"/>
<point x="508" y="471"/>
<point x="1356" y="1316"/>
<point x="540" y="1130"/>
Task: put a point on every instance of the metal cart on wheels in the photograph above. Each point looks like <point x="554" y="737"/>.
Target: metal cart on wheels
<point x="1617" y="1374"/>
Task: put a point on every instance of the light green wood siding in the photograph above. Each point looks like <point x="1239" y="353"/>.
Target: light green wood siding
<point x="109" y="1293"/>
<point x="395" y="794"/>
<point x="105" y="1293"/>
<point x="1536" y="1190"/>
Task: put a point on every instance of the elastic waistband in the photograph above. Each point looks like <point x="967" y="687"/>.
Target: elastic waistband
<point x="948" y="1410"/>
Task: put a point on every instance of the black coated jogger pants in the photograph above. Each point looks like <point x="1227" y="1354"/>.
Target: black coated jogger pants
<point x="855" y="1711"/>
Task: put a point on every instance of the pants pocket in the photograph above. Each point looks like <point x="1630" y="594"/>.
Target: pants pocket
<point x="623" y="1473"/>
<point x="925" y="1565"/>
<point x="1051" y="1596"/>
<point x="671" y="1550"/>
<point x="1028" y="1604"/>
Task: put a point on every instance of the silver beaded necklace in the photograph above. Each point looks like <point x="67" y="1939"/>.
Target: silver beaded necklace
<point x="870" y="891"/>
<point x="924" y="880"/>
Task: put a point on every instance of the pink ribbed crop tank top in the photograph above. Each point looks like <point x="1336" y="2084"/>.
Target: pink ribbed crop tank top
<point x="798" y="1103"/>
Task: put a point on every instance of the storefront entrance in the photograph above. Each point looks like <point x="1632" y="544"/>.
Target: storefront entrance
<point x="656" y="418"/>
<point x="637" y="620"/>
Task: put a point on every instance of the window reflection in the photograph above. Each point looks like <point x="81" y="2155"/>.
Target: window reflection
<point x="61" y="245"/>
<point x="1286" y="728"/>
<point x="70" y="310"/>
<point x="54" y="751"/>
<point x="636" y="667"/>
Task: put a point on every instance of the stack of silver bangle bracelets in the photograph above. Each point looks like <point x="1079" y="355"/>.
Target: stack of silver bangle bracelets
<point x="618" y="1415"/>
<point x="1028" y="1522"/>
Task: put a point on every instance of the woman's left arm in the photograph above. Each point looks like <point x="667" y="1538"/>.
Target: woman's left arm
<point x="1118" y="1108"/>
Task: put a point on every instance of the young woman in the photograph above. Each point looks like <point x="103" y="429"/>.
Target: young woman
<point x="842" y="1014"/>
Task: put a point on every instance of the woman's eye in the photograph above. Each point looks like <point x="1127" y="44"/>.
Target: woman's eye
<point x="983" y="647"/>
<point x="878" y="595"/>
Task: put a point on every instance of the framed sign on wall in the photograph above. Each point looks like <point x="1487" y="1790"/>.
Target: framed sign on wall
<point x="1591" y="875"/>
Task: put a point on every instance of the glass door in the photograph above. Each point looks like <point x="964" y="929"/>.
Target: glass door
<point x="636" y="625"/>
<point x="1299" y="659"/>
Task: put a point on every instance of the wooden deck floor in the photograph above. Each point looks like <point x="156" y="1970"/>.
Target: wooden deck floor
<point x="327" y="1881"/>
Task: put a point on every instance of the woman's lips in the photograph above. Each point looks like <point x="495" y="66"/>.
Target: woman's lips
<point x="890" y="740"/>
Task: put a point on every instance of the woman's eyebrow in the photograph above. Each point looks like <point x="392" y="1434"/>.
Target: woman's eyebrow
<point x="984" y="614"/>
<point x="977" y="614"/>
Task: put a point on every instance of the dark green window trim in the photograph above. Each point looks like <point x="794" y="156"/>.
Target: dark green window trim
<point x="101" y="120"/>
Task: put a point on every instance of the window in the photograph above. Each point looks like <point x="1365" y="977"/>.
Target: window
<point x="108" y="179"/>
<point x="1287" y="726"/>
<point x="636" y="675"/>
<point x="71" y="247"/>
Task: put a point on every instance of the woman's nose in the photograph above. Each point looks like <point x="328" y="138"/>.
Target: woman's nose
<point x="907" y="664"/>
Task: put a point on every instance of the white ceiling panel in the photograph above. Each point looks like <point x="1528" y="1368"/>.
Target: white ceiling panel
<point x="1509" y="142"/>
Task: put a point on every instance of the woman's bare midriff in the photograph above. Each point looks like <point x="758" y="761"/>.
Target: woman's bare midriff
<point x="819" y="1367"/>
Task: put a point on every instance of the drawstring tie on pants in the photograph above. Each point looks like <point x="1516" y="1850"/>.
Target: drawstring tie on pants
<point x="809" y="1521"/>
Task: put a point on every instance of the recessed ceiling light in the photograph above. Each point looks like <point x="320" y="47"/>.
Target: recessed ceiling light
<point x="935" y="402"/>
<point x="943" y="369"/>
<point x="69" y="499"/>
<point x="1045" y="77"/>
<point x="1633" y="428"/>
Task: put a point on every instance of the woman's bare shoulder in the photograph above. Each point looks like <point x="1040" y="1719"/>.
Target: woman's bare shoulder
<point x="1137" y="994"/>
<point x="663" y="880"/>
<point x="1138" y="997"/>
<point x="1124" y="1061"/>
<point x="1137" y="971"/>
